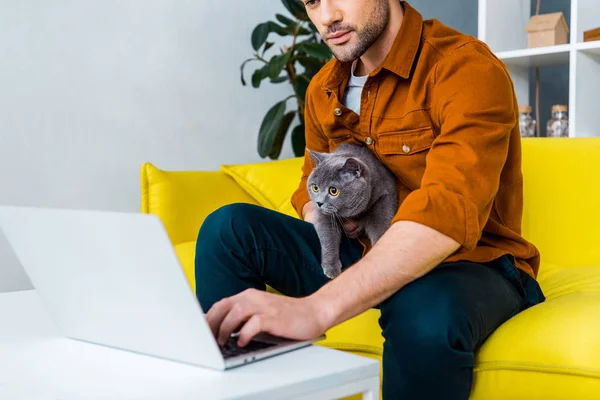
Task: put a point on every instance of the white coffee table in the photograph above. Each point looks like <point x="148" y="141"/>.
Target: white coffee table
<point x="36" y="362"/>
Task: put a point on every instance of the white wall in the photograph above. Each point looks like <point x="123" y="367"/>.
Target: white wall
<point x="89" y="90"/>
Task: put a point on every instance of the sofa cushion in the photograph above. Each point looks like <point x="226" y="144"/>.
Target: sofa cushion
<point x="271" y="183"/>
<point x="562" y="282"/>
<point x="183" y="199"/>
<point x="560" y="199"/>
<point x="186" y="252"/>
<point x="550" y="351"/>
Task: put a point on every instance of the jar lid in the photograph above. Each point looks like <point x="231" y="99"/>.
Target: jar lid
<point x="559" y="107"/>
<point x="524" y="108"/>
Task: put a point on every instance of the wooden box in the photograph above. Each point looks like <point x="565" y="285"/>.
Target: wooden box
<point x="547" y="30"/>
<point x="591" y="35"/>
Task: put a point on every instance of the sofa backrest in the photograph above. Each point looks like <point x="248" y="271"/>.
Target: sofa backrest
<point x="561" y="210"/>
<point x="561" y="213"/>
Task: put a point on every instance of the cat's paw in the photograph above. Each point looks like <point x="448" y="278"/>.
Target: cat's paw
<point x="332" y="269"/>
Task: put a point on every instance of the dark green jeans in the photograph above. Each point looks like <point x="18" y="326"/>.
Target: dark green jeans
<point x="431" y="327"/>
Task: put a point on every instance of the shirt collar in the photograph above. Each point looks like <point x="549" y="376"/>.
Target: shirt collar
<point x="400" y="58"/>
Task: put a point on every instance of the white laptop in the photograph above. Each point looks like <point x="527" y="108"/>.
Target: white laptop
<point x="113" y="279"/>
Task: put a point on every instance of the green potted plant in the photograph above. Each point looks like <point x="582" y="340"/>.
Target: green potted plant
<point x="295" y="64"/>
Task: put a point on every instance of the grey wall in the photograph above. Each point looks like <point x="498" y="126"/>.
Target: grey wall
<point x="459" y="14"/>
<point x="89" y="90"/>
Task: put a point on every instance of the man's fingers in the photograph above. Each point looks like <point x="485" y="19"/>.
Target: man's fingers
<point x="236" y="316"/>
<point x="253" y="327"/>
<point x="217" y="313"/>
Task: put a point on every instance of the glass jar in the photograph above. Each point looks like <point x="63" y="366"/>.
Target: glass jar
<point x="558" y="125"/>
<point x="526" y="121"/>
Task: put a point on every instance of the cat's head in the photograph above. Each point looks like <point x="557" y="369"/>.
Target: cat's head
<point x="339" y="184"/>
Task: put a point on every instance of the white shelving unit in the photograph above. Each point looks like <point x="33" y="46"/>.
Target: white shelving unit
<point x="502" y="26"/>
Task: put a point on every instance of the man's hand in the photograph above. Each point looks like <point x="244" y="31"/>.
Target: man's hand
<point x="308" y="212"/>
<point x="351" y="228"/>
<point x="256" y="311"/>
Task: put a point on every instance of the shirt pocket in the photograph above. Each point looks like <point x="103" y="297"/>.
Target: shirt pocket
<point x="404" y="152"/>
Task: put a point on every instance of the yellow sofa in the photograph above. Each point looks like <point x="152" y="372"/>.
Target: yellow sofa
<point x="551" y="351"/>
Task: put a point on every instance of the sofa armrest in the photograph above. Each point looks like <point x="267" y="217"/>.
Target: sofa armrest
<point x="183" y="199"/>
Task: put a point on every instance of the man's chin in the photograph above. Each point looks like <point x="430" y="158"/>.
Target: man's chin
<point x="344" y="52"/>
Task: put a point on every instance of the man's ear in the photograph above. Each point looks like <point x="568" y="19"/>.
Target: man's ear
<point x="353" y="167"/>
<point x="316" y="157"/>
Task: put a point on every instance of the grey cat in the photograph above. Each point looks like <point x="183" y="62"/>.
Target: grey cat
<point x="349" y="183"/>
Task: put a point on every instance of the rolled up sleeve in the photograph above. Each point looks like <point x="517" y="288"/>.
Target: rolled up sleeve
<point x="473" y="102"/>
<point x="316" y="141"/>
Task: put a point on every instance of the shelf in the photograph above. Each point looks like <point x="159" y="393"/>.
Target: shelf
<point x="589" y="47"/>
<point x="539" y="56"/>
<point x="570" y="73"/>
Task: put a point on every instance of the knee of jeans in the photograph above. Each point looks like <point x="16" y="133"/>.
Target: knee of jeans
<point x="222" y="223"/>
<point x="416" y="325"/>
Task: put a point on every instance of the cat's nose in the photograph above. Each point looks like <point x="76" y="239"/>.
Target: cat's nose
<point x="319" y="204"/>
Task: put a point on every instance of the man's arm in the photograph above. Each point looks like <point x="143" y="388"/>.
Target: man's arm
<point x="407" y="251"/>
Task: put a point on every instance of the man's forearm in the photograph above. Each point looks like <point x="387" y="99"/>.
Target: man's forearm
<point x="407" y="251"/>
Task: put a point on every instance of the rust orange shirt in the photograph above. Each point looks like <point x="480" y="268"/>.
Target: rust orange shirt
<point x="441" y="113"/>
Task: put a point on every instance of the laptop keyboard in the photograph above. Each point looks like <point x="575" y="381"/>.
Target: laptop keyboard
<point x="231" y="349"/>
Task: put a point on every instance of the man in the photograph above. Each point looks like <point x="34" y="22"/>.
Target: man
<point x="439" y="110"/>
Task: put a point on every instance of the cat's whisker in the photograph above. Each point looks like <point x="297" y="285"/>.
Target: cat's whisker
<point x="342" y="225"/>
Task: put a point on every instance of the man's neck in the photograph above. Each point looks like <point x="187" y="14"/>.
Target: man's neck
<point x="375" y="55"/>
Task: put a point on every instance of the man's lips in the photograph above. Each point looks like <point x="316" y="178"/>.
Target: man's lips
<point x="339" y="37"/>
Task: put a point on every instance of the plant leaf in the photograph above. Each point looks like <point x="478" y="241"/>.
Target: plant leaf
<point x="285" y="20"/>
<point x="242" y="69"/>
<point x="277" y="64"/>
<point x="269" y="127"/>
<point x="268" y="45"/>
<point x="280" y="79"/>
<point x="311" y="64"/>
<point x="296" y="8"/>
<point x="303" y="31"/>
<point x="282" y="130"/>
<point x="301" y="85"/>
<point x="298" y="140"/>
<point x="278" y="29"/>
<point x="317" y="50"/>
<point x="259" y="75"/>
<point x="259" y="35"/>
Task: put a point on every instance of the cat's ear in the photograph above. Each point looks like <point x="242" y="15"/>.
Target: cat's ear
<point x="316" y="157"/>
<point x="354" y="168"/>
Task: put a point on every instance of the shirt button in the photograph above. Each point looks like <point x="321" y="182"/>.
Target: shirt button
<point x="405" y="148"/>
<point x="337" y="111"/>
<point x="369" y="141"/>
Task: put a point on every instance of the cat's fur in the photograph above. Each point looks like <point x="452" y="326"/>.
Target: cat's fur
<point x="367" y="193"/>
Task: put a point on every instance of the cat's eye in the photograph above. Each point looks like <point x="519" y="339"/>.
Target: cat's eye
<point x="333" y="191"/>
<point x="314" y="188"/>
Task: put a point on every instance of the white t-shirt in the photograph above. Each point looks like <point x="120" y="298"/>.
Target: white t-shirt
<point x="353" y="91"/>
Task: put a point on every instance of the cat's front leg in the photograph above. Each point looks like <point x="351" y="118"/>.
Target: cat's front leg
<point x="330" y="236"/>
